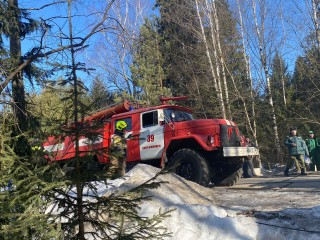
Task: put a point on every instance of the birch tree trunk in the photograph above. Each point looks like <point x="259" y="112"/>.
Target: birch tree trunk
<point x="316" y="21"/>
<point x="199" y="96"/>
<point x="216" y="32"/>
<point x="263" y="60"/>
<point x="253" y="126"/>
<point x="283" y="87"/>
<point x="216" y="81"/>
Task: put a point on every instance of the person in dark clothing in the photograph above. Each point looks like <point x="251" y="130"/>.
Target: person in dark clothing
<point x="248" y="169"/>
<point x="118" y="151"/>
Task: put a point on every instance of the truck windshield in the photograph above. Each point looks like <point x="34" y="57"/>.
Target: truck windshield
<point x="176" y="115"/>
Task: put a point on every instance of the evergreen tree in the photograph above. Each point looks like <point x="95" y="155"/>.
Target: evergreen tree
<point x="49" y="109"/>
<point x="179" y="45"/>
<point x="4" y="54"/>
<point x="16" y="25"/>
<point x="147" y="65"/>
<point x="305" y="84"/>
<point x="99" y="95"/>
<point x="21" y="198"/>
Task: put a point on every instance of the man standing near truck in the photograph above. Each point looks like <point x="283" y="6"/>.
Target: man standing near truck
<point x="248" y="169"/>
<point x="118" y="151"/>
<point x="297" y="150"/>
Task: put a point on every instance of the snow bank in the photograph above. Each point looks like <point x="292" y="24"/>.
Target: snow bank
<point x="197" y="217"/>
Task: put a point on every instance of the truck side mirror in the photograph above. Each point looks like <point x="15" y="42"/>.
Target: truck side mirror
<point x="129" y="136"/>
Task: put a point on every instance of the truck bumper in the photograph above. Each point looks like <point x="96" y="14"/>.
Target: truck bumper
<point x="240" y="151"/>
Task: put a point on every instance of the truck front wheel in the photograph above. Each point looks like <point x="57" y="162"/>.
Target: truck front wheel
<point x="227" y="176"/>
<point x="190" y="165"/>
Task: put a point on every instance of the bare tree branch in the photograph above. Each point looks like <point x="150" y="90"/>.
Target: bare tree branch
<point x="44" y="6"/>
<point x="40" y="54"/>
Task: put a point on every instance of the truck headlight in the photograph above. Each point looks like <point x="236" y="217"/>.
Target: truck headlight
<point x="210" y="141"/>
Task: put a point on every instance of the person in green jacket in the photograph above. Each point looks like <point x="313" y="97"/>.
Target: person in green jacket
<point x="312" y="148"/>
<point x="297" y="150"/>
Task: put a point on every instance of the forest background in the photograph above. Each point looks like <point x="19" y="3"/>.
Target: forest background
<point x="255" y="62"/>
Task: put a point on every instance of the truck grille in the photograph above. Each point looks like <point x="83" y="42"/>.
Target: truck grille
<point x="229" y="136"/>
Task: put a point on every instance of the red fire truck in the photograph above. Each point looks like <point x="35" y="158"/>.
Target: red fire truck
<point x="202" y="150"/>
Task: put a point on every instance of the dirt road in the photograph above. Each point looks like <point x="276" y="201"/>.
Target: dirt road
<point x="271" y="193"/>
<point x="287" y="205"/>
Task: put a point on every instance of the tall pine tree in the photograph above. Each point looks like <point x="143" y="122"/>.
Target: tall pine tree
<point x="15" y="27"/>
<point x="100" y="95"/>
<point x="183" y="64"/>
<point x="147" y="67"/>
<point x="305" y="84"/>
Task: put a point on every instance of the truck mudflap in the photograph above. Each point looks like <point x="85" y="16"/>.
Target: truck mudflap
<point x="240" y="151"/>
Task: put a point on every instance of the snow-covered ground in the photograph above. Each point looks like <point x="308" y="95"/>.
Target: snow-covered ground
<point x="228" y="213"/>
<point x="256" y="212"/>
<point x="201" y="214"/>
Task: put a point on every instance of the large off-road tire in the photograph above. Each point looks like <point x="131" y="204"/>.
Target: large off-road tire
<point x="190" y="165"/>
<point x="227" y="176"/>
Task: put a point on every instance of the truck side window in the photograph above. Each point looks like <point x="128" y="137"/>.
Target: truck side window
<point x="150" y="119"/>
<point x="128" y="121"/>
<point x="175" y="115"/>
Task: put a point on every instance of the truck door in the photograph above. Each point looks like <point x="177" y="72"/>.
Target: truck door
<point x="133" y="153"/>
<point x="151" y="138"/>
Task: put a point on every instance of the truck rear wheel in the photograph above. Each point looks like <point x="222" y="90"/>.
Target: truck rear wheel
<point x="227" y="176"/>
<point x="190" y="165"/>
